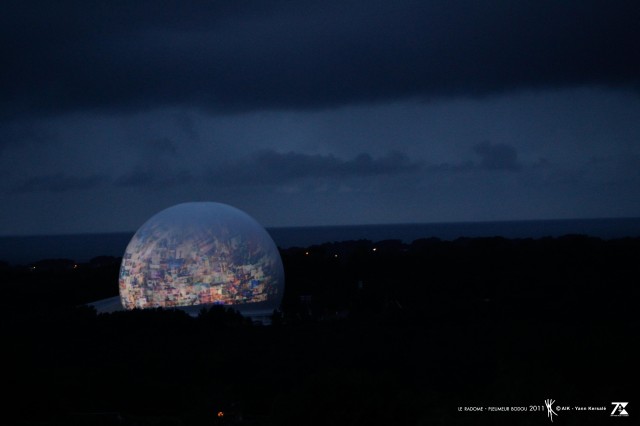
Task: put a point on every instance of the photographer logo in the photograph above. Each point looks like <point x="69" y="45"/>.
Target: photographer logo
<point x="618" y="409"/>
<point x="550" y="412"/>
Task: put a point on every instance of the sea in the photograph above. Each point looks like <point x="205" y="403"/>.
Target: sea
<point x="22" y="250"/>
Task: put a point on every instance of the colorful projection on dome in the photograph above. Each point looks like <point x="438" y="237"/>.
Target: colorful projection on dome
<point x="201" y="253"/>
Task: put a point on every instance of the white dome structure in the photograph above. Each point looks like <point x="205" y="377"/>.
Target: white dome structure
<point x="201" y="253"/>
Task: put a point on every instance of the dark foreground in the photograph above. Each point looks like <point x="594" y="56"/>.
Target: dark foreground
<point x="404" y="335"/>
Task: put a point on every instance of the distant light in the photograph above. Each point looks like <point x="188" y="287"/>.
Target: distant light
<point x="335" y="255"/>
<point x="306" y="253"/>
<point x="375" y="249"/>
<point x="220" y="414"/>
<point x="75" y="266"/>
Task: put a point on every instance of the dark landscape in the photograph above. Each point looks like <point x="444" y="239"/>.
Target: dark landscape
<point x="453" y="188"/>
<point x="368" y="333"/>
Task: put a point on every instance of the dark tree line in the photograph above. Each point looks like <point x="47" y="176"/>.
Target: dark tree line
<point x="368" y="333"/>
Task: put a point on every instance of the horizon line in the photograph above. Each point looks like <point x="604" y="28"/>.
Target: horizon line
<point x="459" y="222"/>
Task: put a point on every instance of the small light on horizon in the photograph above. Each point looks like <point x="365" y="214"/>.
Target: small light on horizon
<point x="220" y="414"/>
<point x="375" y="249"/>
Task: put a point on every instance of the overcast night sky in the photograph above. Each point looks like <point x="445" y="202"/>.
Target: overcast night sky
<point x="317" y="112"/>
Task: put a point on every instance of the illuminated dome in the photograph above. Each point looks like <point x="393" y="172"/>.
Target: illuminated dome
<point x="198" y="254"/>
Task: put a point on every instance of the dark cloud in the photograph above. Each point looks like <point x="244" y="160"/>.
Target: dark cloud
<point x="153" y="179"/>
<point x="493" y="157"/>
<point x="60" y="182"/>
<point x="19" y="132"/>
<point x="236" y="56"/>
<point x="162" y="147"/>
<point x="497" y="156"/>
<point x="266" y="167"/>
<point x="271" y="167"/>
<point x="465" y="166"/>
<point x="156" y="167"/>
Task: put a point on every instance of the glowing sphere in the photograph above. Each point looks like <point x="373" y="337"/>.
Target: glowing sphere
<point x="199" y="254"/>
